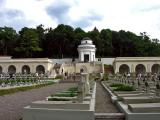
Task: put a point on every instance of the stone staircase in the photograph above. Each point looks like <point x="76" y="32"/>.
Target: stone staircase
<point x="109" y="116"/>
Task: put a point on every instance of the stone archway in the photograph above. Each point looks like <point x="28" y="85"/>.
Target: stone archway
<point x="40" y="69"/>
<point x="124" y="68"/>
<point x="25" y="69"/>
<point x="0" y="70"/>
<point x="155" y="68"/>
<point x="11" y="69"/>
<point x="83" y="69"/>
<point x="140" y="68"/>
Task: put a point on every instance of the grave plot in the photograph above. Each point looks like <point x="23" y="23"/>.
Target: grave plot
<point x="75" y="103"/>
<point x="8" y="81"/>
<point x="137" y="97"/>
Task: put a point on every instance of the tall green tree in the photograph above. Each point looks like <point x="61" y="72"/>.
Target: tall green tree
<point x="63" y="41"/>
<point x="106" y="41"/>
<point x="41" y="36"/>
<point x="8" y="38"/>
<point x="28" y="43"/>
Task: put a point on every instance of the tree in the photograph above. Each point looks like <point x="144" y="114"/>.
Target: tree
<point x="8" y="37"/>
<point x="106" y="37"/>
<point x="41" y="36"/>
<point x="79" y="34"/>
<point x="28" y="43"/>
<point x="63" y="41"/>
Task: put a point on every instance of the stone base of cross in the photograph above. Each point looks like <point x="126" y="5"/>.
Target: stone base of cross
<point x="83" y="87"/>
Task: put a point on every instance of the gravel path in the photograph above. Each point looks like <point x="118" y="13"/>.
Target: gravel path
<point x="103" y="101"/>
<point x="11" y="106"/>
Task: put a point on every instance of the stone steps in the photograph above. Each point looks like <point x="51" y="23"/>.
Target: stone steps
<point x="109" y="116"/>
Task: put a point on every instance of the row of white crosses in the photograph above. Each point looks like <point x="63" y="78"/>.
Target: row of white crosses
<point x="20" y="79"/>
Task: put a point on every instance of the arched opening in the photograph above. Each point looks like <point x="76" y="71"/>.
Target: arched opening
<point x="40" y="69"/>
<point x="124" y="69"/>
<point x="25" y="69"/>
<point x="83" y="69"/>
<point x="140" y="68"/>
<point x="11" y="69"/>
<point x="155" y="68"/>
<point x="0" y="70"/>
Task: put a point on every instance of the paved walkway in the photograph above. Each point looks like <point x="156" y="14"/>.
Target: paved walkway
<point x="11" y="106"/>
<point x="103" y="101"/>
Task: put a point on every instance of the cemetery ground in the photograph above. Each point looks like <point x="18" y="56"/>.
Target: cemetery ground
<point x="103" y="101"/>
<point x="134" y="97"/>
<point x="11" y="105"/>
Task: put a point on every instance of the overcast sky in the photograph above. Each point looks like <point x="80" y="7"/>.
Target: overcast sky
<point x="130" y="15"/>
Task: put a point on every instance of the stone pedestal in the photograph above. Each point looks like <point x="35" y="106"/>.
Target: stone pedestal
<point x="81" y="95"/>
<point x="83" y="87"/>
<point x="86" y="81"/>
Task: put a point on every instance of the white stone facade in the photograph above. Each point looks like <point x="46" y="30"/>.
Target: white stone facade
<point x="86" y="51"/>
<point x="137" y="64"/>
<point x="18" y="65"/>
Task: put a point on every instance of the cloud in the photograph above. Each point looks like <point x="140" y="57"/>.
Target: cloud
<point x="152" y="8"/>
<point x="9" y="13"/>
<point x="87" y="21"/>
<point x="59" y="11"/>
<point x="13" y="18"/>
<point x="2" y="2"/>
<point x="130" y="15"/>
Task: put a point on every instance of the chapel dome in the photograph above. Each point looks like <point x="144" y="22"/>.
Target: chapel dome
<point x="86" y="43"/>
<point x="86" y="40"/>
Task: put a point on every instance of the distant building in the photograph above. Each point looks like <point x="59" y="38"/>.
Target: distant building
<point x="86" y="50"/>
<point x="87" y="61"/>
<point x="54" y="67"/>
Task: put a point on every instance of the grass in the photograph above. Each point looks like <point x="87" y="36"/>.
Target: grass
<point x="116" y="85"/>
<point x="18" y="89"/>
<point x="71" y="92"/>
<point x="124" y="88"/>
<point x="73" y="89"/>
<point x="57" y="99"/>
